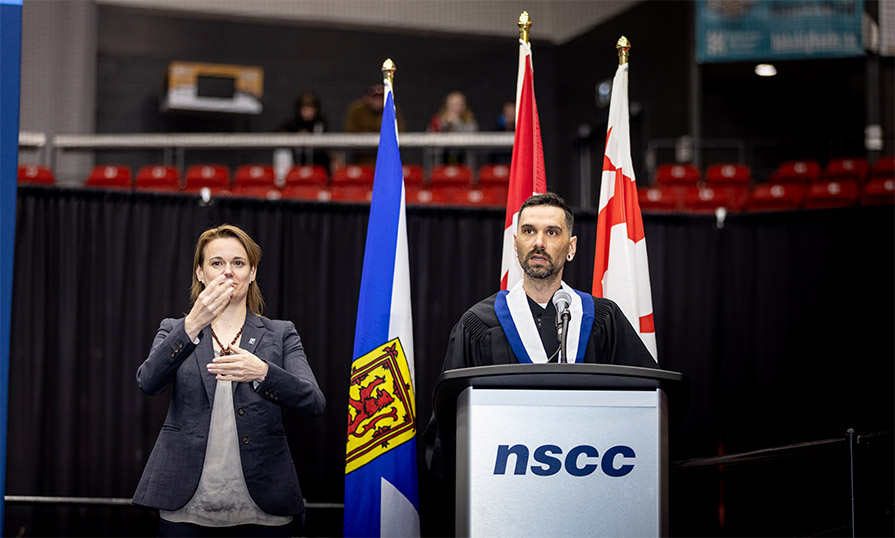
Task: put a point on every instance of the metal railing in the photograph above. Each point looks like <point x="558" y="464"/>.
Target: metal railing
<point x="276" y="140"/>
<point x="174" y="146"/>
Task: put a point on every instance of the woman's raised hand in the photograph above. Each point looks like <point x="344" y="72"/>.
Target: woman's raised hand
<point x="209" y="304"/>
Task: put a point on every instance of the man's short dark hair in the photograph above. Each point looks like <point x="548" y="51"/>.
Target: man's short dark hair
<point x="553" y="200"/>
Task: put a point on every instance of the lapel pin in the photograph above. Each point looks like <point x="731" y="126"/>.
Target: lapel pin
<point x="251" y="341"/>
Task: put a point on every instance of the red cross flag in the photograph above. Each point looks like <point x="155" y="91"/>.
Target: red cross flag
<point x="621" y="271"/>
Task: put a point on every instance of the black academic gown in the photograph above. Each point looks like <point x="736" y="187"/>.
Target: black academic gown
<point x="478" y="340"/>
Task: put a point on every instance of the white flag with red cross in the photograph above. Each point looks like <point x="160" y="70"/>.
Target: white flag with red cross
<point x="621" y="269"/>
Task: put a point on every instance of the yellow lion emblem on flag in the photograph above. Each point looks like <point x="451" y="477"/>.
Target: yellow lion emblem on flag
<point x="381" y="407"/>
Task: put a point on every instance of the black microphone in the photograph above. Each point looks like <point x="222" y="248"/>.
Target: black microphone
<point x="561" y="301"/>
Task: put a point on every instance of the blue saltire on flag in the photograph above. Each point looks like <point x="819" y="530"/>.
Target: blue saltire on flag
<point x="10" y="68"/>
<point x="381" y="495"/>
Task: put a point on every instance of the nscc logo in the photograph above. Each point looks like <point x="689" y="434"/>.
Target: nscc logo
<point x="581" y="460"/>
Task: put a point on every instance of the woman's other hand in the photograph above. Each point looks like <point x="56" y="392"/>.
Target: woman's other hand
<point x="240" y="365"/>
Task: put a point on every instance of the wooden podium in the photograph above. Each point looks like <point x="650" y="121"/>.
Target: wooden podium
<point x="560" y="449"/>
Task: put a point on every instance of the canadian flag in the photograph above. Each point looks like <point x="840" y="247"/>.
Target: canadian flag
<point x="621" y="271"/>
<point x="527" y="174"/>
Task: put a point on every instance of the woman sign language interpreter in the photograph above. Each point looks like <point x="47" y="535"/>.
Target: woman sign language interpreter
<point x="221" y="465"/>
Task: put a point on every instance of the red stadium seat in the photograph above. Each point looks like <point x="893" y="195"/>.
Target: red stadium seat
<point x="708" y="200"/>
<point x="255" y="181"/>
<point x="677" y="174"/>
<point x="417" y="195"/>
<point x="803" y="171"/>
<point x="730" y="181"/>
<point x="484" y="197"/>
<point x="878" y="191"/>
<point x="268" y="192"/>
<point x="832" y="193"/>
<point x="215" y="177"/>
<point x="494" y="173"/>
<point x="354" y="173"/>
<point x="883" y="168"/>
<point x="736" y="194"/>
<point x="350" y="193"/>
<point x="450" y="184"/>
<point x="353" y="183"/>
<point x="308" y="182"/>
<point x="110" y="176"/>
<point x="775" y="197"/>
<point x="659" y="199"/>
<point x="254" y="175"/>
<point x="319" y="193"/>
<point x="453" y="196"/>
<point x="455" y="174"/>
<point x="413" y="174"/>
<point x="414" y="190"/>
<point x="35" y="174"/>
<point x="457" y="194"/>
<point x="839" y="169"/>
<point x="494" y="194"/>
<point x="728" y="174"/>
<point x="494" y="183"/>
<point x="159" y="178"/>
<point x="307" y="174"/>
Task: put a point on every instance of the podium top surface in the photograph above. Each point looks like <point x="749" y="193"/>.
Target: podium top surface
<point x="558" y="376"/>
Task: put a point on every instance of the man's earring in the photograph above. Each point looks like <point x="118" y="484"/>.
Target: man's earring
<point x="569" y="257"/>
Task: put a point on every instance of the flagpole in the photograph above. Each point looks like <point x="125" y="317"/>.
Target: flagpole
<point x="623" y="47"/>
<point x="524" y="24"/>
<point x="388" y="71"/>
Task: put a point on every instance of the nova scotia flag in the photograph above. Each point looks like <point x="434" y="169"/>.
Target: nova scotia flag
<point x="381" y="492"/>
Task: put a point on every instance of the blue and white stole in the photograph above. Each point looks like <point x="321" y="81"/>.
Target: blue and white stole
<point x="519" y="327"/>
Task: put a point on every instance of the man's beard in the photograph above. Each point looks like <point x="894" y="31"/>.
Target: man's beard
<point x="541" y="272"/>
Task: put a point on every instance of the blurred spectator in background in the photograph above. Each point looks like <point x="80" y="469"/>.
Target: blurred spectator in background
<point x="453" y="117"/>
<point x="506" y="122"/>
<point x="365" y="116"/>
<point x="307" y="118"/>
<point x="507" y="119"/>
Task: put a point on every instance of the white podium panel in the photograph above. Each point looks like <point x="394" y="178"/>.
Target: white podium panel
<point x="561" y="463"/>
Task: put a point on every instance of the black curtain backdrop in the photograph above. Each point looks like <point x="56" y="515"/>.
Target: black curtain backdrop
<point x="782" y="321"/>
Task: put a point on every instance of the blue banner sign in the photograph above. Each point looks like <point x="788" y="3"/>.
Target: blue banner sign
<point x="760" y="30"/>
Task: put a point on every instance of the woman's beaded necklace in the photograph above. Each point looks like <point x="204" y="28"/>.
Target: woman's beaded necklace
<point x="226" y="350"/>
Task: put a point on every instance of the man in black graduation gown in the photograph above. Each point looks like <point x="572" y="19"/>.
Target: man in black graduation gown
<point x="519" y="325"/>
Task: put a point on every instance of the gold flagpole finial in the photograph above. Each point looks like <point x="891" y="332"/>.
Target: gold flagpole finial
<point x="623" y="47"/>
<point x="524" y="24"/>
<point x="388" y="70"/>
